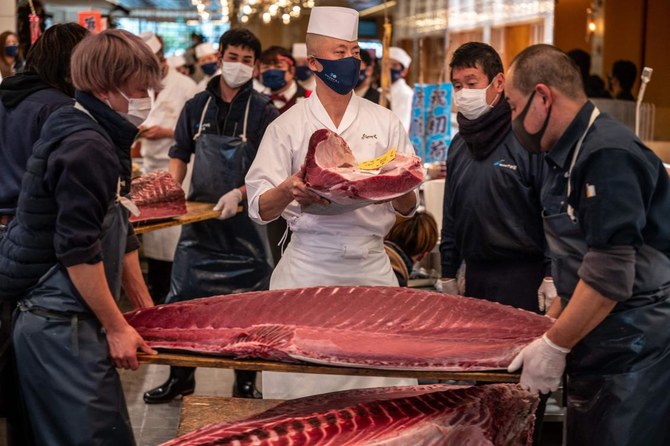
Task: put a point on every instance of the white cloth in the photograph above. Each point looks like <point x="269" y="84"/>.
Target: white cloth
<point x="299" y="50"/>
<point x="177" y="89"/>
<point x="401" y="102"/>
<point x="152" y="41"/>
<point x="334" y="21"/>
<point x="400" y="55"/>
<point x="291" y="91"/>
<point x="344" y="249"/>
<point x="309" y="84"/>
<point x="202" y="85"/>
<point x="204" y="49"/>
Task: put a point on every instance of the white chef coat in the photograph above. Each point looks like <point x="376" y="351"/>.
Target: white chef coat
<point x="177" y="89"/>
<point x="202" y="85"/>
<point x="345" y="249"/>
<point x="401" y="102"/>
<point x="309" y="83"/>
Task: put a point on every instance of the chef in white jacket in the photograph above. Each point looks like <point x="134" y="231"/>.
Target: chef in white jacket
<point x="156" y="139"/>
<point x="206" y="55"/>
<point x="344" y="249"/>
<point x="401" y="93"/>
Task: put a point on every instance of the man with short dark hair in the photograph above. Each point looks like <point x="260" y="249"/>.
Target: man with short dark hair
<point x="222" y="127"/>
<point x="491" y="202"/>
<point x="277" y="70"/>
<point x="622" y="79"/>
<point x="605" y="200"/>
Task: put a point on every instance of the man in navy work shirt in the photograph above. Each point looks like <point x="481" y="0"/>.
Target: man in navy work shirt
<point x="606" y="199"/>
<point x="492" y="216"/>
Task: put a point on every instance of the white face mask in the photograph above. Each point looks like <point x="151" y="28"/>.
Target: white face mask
<point x="236" y="74"/>
<point x="139" y="107"/>
<point x="471" y="102"/>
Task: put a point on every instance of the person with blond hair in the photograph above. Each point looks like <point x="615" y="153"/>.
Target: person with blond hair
<point x="70" y="248"/>
<point x="408" y="242"/>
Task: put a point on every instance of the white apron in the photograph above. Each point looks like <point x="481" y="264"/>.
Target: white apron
<point x="322" y="260"/>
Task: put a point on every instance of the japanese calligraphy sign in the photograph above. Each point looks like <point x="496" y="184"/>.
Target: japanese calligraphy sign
<point x="430" y="131"/>
<point x="91" y="20"/>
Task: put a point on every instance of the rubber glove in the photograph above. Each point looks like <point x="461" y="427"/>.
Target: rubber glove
<point x="546" y="294"/>
<point x="449" y="286"/>
<point x="543" y="365"/>
<point x="228" y="204"/>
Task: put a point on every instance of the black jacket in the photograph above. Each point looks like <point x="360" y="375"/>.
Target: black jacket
<point x="71" y="180"/>
<point x="222" y="118"/>
<point x="492" y="206"/>
<point x="26" y="103"/>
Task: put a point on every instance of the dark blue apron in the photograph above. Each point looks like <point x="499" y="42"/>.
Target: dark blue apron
<point x="72" y="390"/>
<point x="217" y="257"/>
<point x="618" y="376"/>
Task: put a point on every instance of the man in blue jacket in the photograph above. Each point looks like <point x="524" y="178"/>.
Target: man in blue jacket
<point x="492" y="215"/>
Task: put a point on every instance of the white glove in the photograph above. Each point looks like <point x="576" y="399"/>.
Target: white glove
<point x="449" y="286"/>
<point x="228" y="204"/>
<point x="546" y="294"/>
<point x="543" y="365"/>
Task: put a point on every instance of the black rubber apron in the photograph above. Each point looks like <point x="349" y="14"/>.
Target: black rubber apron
<point x="72" y="390"/>
<point x="217" y="257"/>
<point x="618" y="376"/>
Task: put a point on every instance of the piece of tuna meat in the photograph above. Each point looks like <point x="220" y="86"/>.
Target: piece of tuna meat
<point x="157" y="195"/>
<point x="331" y="171"/>
<point x="370" y="327"/>
<point x="440" y="414"/>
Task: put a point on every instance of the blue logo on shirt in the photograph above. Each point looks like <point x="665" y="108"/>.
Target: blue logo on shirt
<point x="502" y="163"/>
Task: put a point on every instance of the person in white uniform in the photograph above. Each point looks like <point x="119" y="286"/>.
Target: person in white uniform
<point x="401" y="93"/>
<point x="157" y="136"/>
<point x="344" y="249"/>
<point x="207" y="60"/>
<point x="305" y="77"/>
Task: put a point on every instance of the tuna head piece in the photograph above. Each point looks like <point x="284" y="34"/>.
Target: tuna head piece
<point x="332" y="171"/>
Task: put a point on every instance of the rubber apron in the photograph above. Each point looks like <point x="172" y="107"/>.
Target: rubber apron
<point x="618" y="374"/>
<point x="57" y="335"/>
<point x="217" y="257"/>
<point x="322" y="260"/>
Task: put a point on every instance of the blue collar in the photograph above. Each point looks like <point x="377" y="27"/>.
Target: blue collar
<point x="120" y="130"/>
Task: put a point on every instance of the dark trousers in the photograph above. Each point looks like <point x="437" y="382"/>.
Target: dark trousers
<point x="158" y="279"/>
<point x="509" y="282"/>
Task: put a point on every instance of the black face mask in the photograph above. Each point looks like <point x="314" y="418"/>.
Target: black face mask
<point x="529" y="141"/>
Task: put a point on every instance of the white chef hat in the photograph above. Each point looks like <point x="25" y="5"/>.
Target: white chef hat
<point x="204" y="49"/>
<point x="176" y="61"/>
<point x="400" y="55"/>
<point x="334" y="21"/>
<point x="299" y="50"/>
<point x="152" y="41"/>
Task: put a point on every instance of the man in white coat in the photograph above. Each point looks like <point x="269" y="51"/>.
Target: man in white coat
<point x="207" y="59"/>
<point x="156" y="138"/>
<point x="344" y="249"/>
<point x="401" y="93"/>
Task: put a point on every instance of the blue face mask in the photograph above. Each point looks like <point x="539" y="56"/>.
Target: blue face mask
<point x="303" y="72"/>
<point x="274" y="79"/>
<point x="340" y="75"/>
<point x="395" y="75"/>
<point x="362" y="75"/>
<point x="11" y="50"/>
<point x="208" y="68"/>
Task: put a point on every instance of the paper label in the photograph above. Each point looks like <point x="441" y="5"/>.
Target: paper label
<point x="378" y="162"/>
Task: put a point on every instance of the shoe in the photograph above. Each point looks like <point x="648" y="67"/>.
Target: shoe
<point x="176" y="385"/>
<point x="246" y="389"/>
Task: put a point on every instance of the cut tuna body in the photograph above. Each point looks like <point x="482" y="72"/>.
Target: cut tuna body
<point x="371" y="327"/>
<point x="331" y="171"/>
<point x="496" y="414"/>
<point x="157" y="195"/>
